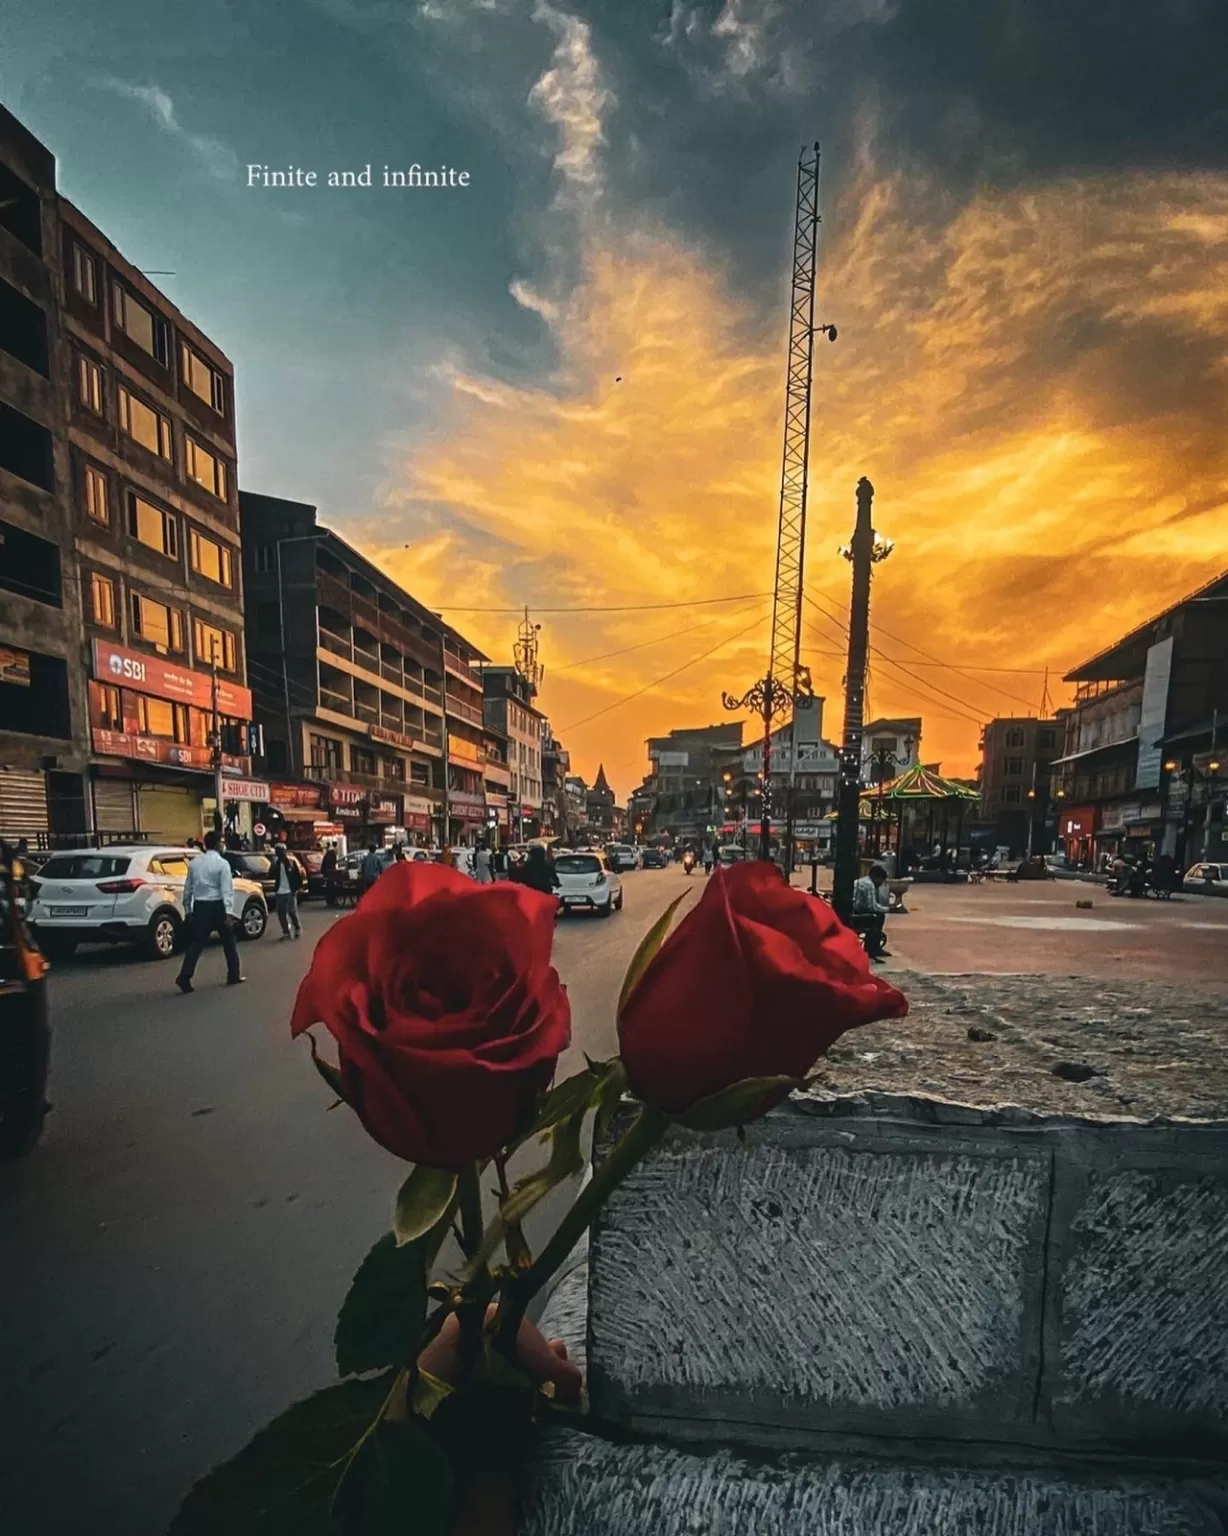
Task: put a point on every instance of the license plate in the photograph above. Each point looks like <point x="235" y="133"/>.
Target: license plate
<point x="575" y="901"/>
<point x="69" y="911"/>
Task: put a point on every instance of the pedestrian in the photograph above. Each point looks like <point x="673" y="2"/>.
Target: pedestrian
<point x="870" y="908"/>
<point x="398" y="853"/>
<point x="369" y="871"/>
<point x="538" y="872"/>
<point x="482" y="869"/>
<point x="289" y="882"/>
<point x="498" y="864"/>
<point x="207" y="894"/>
<point x="447" y="857"/>
<point x="709" y="858"/>
<point x="328" y="873"/>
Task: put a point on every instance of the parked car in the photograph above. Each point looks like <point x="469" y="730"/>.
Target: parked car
<point x="588" y="882"/>
<point x="621" y="856"/>
<point x="126" y="895"/>
<point x="25" y="1033"/>
<point x="730" y="854"/>
<point x="1212" y="879"/>
<point x="259" y="867"/>
<point x="654" y="858"/>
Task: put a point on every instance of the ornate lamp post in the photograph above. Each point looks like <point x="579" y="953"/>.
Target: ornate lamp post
<point x="772" y="700"/>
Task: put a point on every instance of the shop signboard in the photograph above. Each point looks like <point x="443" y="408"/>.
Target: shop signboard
<point x="346" y="795"/>
<point x="672" y="759"/>
<point x="152" y="749"/>
<point x="120" y="667"/>
<point x="393" y="738"/>
<point x="1153" y="714"/>
<point x="307" y="795"/>
<point x="382" y="812"/>
<point x="416" y="821"/>
<point x="246" y="789"/>
<point x="14" y="666"/>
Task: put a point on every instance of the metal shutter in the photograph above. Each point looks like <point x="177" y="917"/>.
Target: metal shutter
<point x="23" y="805"/>
<point x="169" y="814"/>
<point x="113" y="808"/>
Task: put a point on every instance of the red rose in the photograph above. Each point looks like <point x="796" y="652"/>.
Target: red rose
<point x="447" y="1013"/>
<point x="758" y="980"/>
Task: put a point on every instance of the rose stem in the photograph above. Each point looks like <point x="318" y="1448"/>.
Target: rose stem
<point x="643" y="1134"/>
<point x="476" y="1294"/>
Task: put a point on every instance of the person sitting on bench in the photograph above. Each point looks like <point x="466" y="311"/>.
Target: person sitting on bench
<point x="870" y="908"/>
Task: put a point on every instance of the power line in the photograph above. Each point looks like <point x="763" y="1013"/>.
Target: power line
<point x="647" y="688"/>
<point x="642" y="646"/>
<point x="700" y="602"/>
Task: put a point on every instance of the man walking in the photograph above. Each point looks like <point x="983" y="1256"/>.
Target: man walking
<point x="870" y="908"/>
<point x="369" y="871"/>
<point x="207" y="893"/>
<point x="289" y="881"/>
<point x="709" y="858"/>
<point x="482" y="872"/>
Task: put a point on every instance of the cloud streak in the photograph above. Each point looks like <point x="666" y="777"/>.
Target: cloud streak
<point x="213" y="156"/>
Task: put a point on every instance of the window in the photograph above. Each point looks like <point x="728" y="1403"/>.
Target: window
<point x="25" y="445"/>
<point x="139" y="324"/>
<point x="84" y="273"/>
<point x="419" y="773"/>
<point x="205" y="469"/>
<point x="1014" y="738"/>
<point x="152" y="526"/>
<point x="102" y="600"/>
<point x="144" y="425"/>
<point x="110" y="716"/>
<point x="207" y="641"/>
<point x="362" y="761"/>
<point x="1013" y="767"/>
<point x="174" y="865"/>
<point x="156" y="623"/>
<point x="89" y="385"/>
<point x="264" y="559"/>
<point x="211" y="559"/>
<point x="23" y="329"/>
<point x="94" y="490"/>
<point x="202" y="379"/>
<point x="325" y="753"/>
<point x="159" y="717"/>
<point x="394" y="768"/>
<point x="30" y="566"/>
<point x="1012" y="794"/>
<point x="1046" y="741"/>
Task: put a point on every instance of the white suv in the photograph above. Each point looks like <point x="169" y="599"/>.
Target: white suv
<point x="126" y="895"/>
<point x="588" y="882"/>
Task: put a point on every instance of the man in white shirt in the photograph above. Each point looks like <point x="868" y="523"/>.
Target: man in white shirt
<point x="207" y="894"/>
<point x="482" y="866"/>
<point x="870" y="906"/>
<point x="288" y="883"/>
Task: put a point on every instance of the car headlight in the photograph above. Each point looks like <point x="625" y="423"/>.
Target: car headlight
<point x="600" y="880"/>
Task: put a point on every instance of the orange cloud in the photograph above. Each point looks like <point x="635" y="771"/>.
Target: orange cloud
<point x="1034" y="382"/>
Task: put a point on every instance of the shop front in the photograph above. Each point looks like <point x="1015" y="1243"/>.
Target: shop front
<point x="1076" y="830"/>
<point x="241" y="802"/>
<point x="418" y="819"/>
<point x="383" y="815"/>
<point x="297" y="815"/>
<point x="468" y="816"/>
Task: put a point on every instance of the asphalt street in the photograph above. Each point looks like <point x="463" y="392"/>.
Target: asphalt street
<point x="175" y="1250"/>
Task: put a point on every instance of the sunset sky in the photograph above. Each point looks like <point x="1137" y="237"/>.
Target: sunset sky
<point x="563" y="385"/>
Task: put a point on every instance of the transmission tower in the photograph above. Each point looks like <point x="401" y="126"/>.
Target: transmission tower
<point x="525" y="652"/>
<point x="787" y="682"/>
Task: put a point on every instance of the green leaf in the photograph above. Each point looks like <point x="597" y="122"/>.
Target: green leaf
<point x="399" y="1484"/>
<point x="285" y="1478"/>
<point x="384" y="1309"/>
<point x="736" y="1104"/>
<point x="609" y="1096"/>
<point x="421" y="1201"/>
<point x="643" y="957"/>
<point x="330" y="1074"/>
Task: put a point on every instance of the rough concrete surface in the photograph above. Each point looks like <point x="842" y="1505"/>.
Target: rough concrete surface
<point x="582" y="1484"/>
<point x="1153" y="1050"/>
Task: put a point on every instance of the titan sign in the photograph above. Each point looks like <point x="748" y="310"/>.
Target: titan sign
<point x="151" y="674"/>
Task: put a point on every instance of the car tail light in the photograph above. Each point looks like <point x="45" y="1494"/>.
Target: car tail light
<point x="121" y="887"/>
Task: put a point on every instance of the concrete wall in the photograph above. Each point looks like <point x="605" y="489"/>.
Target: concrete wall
<point x="887" y="1269"/>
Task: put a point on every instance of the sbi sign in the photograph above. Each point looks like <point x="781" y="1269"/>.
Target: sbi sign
<point x="128" y="667"/>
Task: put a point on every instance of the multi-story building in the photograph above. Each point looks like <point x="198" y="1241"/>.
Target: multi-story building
<point x="685" y="777"/>
<point x="889" y="747"/>
<point x="125" y="649"/>
<point x="1016" y="755"/>
<point x="498" y="785"/>
<point x="803" y="773"/>
<point x="1136" y="766"/>
<point x="464" y="712"/>
<point x="510" y="710"/>
<point x="556" y="764"/>
<point x="575" y="792"/>
<point x="348" y="676"/>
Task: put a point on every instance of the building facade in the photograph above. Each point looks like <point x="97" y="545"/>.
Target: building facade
<point x="348" y="676"/>
<point x="1136" y="770"/>
<point x="509" y="708"/>
<point x="122" y="669"/>
<point x="685" y="779"/>
<point x="1014" y="781"/>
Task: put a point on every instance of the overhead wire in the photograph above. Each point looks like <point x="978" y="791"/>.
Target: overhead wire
<point x="696" y="602"/>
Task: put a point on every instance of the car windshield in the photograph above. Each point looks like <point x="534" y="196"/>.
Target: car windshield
<point x="254" y="864"/>
<point x="578" y="864"/>
<point x="85" y="866"/>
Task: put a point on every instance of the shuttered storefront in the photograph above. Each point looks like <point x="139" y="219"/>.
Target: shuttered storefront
<point x="23" y="806"/>
<point x="169" y="814"/>
<point x="114" y="811"/>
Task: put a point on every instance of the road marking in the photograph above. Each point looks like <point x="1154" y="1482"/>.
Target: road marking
<point x="1066" y="924"/>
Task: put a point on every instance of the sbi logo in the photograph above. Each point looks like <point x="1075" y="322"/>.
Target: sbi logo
<point x="129" y="667"/>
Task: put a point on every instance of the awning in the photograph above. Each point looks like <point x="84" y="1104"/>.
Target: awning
<point x="1075" y="757"/>
<point x="296" y="812"/>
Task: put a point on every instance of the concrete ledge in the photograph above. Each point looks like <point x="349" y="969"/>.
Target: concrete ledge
<point x="581" y="1484"/>
<point x="882" y="1267"/>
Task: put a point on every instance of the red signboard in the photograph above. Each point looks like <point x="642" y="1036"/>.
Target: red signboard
<point x="295" y="794"/>
<point x="164" y="680"/>
<point x="346" y="794"/>
<point x="415" y="821"/>
<point x="151" y="749"/>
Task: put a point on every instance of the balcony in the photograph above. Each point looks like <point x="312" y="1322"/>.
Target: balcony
<point x="433" y="694"/>
<point x="367" y="713"/>
<point x="339" y="645"/>
<point x="461" y="711"/>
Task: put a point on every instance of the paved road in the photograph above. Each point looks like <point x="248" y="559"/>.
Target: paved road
<point x="175" y="1251"/>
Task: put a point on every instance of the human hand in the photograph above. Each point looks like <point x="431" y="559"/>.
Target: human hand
<point x="545" y="1360"/>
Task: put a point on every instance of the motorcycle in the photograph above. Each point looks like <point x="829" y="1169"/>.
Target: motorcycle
<point x="25" y="1034"/>
<point x="688" y="862"/>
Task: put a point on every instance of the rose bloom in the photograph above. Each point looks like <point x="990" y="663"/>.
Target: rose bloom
<point x="448" y="1016"/>
<point x="758" y="980"/>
